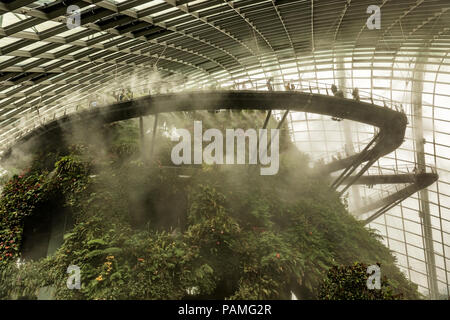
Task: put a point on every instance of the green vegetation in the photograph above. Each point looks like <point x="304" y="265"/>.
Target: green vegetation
<point x="350" y="283"/>
<point x="146" y="231"/>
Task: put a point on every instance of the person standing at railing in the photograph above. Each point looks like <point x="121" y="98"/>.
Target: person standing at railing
<point x="339" y="94"/>
<point x="287" y="86"/>
<point x="333" y="89"/>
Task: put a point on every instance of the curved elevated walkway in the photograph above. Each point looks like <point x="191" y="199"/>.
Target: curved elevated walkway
<point x="391" y="124"/>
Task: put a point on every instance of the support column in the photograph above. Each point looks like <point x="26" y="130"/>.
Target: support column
<point x="424" y="210"/>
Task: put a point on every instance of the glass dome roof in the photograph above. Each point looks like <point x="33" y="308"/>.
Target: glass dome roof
<point x="48" y="70"/>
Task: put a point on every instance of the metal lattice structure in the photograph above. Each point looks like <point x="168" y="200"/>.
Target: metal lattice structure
<point x="48" y="70"/>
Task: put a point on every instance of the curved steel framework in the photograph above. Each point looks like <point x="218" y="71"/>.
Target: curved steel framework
<point x="47" y="70"/>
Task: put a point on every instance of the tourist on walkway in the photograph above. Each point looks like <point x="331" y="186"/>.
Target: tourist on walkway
<point x="355" y="94"/>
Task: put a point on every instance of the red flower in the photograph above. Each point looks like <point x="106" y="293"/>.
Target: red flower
<point x="218" y="242"/>
<point x="278" y="256"/>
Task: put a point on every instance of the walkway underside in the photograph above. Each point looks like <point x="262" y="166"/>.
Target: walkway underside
<point x="421" y="178"/>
